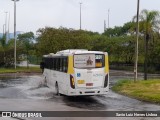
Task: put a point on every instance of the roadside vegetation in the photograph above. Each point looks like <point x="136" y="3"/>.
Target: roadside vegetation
<point x="143" y="90"/>
<point x="20" y="69"/>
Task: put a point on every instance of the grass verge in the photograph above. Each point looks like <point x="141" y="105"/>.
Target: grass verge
<point x="148" y="90"/>
<point x="20" y="69"/>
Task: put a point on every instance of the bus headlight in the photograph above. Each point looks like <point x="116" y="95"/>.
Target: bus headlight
<point x="72" y="83"/>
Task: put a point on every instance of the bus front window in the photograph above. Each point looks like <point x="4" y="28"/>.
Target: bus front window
<point x="99" y="60"/>
<point x="89" y="61"/>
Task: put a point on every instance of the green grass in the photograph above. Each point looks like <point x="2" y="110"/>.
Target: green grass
<point x="20" y="69"/>
<point x="148" y="90"/>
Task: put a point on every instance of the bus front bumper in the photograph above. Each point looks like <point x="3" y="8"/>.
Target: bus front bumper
<point x="83" y="92"/>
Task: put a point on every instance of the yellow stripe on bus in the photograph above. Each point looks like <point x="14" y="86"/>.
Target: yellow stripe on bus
<point x="70" y="65"/>
<point x="106" y="64"/>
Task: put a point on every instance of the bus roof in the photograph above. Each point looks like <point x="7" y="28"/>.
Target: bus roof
<point x="73" y="51"/>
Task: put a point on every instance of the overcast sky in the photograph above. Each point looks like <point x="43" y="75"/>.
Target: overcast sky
<point x="35" y="14"/>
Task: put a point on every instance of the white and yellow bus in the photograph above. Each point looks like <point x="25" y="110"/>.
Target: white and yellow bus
<point x="77" y="72"/>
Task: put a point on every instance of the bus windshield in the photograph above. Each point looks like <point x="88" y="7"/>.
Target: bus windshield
<point x="89" y="61"/>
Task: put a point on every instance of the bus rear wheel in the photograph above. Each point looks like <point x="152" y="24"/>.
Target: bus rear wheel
<point x="57" y="89"/>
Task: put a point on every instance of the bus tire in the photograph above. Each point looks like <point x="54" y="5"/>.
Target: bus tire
<point x="57" y="89"/>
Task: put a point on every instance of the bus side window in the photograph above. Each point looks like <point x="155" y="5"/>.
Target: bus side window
<point x="46" y="63"/>
<point x="58" y="64"/>
<point x="56" y="68"/>
<point x="54" y="62"/>
<point x="50" y="63"/>
<point x="65" y="64"/>
<point x="61" y="64"/>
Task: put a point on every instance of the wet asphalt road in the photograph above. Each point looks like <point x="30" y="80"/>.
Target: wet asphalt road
<point x="27" y="93"/>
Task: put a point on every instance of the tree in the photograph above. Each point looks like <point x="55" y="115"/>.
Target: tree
<point x="127" y="28"/>
<point x="26" y="41"/>
<point x="149" y="23"/>
<point x="113" y="32"/>
<point x="7" y="52"/>
<point x="51" y="40"/>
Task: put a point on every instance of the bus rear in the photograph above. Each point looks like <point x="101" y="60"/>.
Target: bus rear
<point x="90" y="74"/>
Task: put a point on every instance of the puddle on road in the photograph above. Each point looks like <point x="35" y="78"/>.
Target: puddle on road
<point x="85" y="102"/>
<point x="10" y="82"/>
<point x="24" y="87"/>
<point x="32" y="87"/>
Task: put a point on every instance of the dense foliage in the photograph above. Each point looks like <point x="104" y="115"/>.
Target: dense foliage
<point x="51" y="40"/>
<point x="7" y="52"/>
<point x="24" y="45"/>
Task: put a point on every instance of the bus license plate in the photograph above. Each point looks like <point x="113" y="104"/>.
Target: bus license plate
<point x="81" y="82"/>
<point x="89" y="84"/>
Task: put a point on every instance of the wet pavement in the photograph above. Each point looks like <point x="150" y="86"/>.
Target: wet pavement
<point x="28" y="93"/>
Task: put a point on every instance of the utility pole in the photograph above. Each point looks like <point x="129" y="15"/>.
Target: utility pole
<point x="80" y="15"/>
<point x="6" y="27"/>
<point x="15" y="36"/>
<point x="3" y="30"/>
<point x="136" y="45"/>
<point x="108" y="17"/>
<point x="104" y="25"/>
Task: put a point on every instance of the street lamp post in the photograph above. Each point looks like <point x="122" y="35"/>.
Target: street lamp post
<point x="104" y="25"/>
<point x="15" y="37"/>
<point x="108" y="17"/>
<point x="3" y="30"/>
<point x="136" y="45"/>
<point x="6" y="27"/>
<point x="80" y="15"/>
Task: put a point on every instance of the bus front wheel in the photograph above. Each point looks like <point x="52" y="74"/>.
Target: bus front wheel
<point x="57" y="89"/>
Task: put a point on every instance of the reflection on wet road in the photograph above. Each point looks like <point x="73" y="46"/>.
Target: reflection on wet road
<point x="30" y="92"/>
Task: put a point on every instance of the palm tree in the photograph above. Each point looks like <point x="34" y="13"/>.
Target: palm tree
<point x="149" y="23"/>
